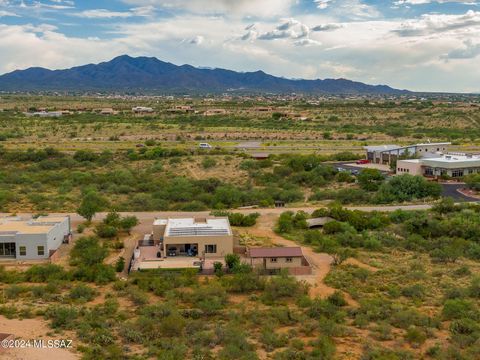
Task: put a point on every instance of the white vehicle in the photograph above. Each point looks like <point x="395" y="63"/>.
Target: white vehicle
<point x="205" y="146"/>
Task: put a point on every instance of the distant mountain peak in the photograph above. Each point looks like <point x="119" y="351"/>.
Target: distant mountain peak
<point x="149" y="74"/>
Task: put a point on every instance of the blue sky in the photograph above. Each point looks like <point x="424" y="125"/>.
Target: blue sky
<point x="430" y="45"/>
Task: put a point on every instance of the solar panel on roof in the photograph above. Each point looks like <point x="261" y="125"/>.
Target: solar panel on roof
<point x="199" y="231"/>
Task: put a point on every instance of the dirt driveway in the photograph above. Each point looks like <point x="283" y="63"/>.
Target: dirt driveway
<point x="321" y="262"/>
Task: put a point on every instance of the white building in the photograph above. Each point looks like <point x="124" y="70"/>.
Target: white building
<point x="142" y="110"/>
<point x="44" y="114"/>
<point x="32" y="239"/>
<point x="387" y="154"/>
<point x="450" y="165"/>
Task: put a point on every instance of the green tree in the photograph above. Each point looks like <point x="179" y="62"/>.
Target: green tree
<point x="232" y="260"/>
<point x="370" y="179"/>
<point x="91" y="203"/>
<point x="128" y="223"/>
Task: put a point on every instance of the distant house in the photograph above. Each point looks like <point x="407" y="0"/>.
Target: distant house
<point x="213" y="112"/>
<point x="260" y="156"/>
<point x="44" y="114"/>
<point x="105" y="111"/>
<point x="142" y="110"/>
<point x="277" y="258"/>
<point x="181" y="109"/>
<point x="32" y="239"/>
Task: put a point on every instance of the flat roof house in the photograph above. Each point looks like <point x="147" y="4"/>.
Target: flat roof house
<point x="386" y="154"/>
<point x="277" y="258"/>
<point x="202" y="236"/>
<point x="450" y="165"/>
<point x="142" y="110"/>
<point x="32" y="239"/>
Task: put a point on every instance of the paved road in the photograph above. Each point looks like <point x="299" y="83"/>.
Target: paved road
<point x="451" y="190"/>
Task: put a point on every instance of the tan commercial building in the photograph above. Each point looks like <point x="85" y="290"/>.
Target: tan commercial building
<point x="449" y="165"/>
<point x="388" y="154"/>
<point x="206" y="237"/>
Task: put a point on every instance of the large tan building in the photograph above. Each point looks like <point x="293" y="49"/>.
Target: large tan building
<point x="451" y="165"/>
<point x="387" y="154"/>
<point x="205" y="237"/>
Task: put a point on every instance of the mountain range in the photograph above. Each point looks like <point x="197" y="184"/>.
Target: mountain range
<point x="150" y="75"/>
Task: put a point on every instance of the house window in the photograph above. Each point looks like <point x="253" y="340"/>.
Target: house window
<point x="289" y="260"/>
<point x="7" y="249"/>
<point x="41" y="250"/>
<point x="23" y="250"/>
<point x="210" y="249"/>
<point x="273" y="260"/>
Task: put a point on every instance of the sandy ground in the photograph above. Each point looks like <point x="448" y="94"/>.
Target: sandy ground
<point x="30" y="329"/>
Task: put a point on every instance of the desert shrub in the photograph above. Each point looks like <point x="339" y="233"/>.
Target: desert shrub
<point x="120" y="264"/>
<point x="415" y="335"/>
<point x="458" y="308"/>
<point x="208" y="163"/>
<point x="244" y="282"/>
<point x="61" y="317"/>
<point x="415" y="291"/>
<point x="82" y="293"/>
<point x="282" y="286"/>
<point x="45" y="273"/>
<point x="209" y="298"/>
<point x="235" y="344"/>
<point x="106" y="231"/>
<point x="271" y="340"/>
<point x="323" y="348"/>
<point x="87" y="251"/>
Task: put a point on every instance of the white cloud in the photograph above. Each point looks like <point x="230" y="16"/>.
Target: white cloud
<point x="327" y="27"/>
<point x="437" y="24"/>
<point x="322" y="4"/>
<point x="421" y="2"/>
<point x="352" y="9"/>
<point x="4" y="13"/>
<point x="470" y="50"/>
<point x="103" y="14"/>
<point x="439" y="53"/>
<point x="255" y="8"/>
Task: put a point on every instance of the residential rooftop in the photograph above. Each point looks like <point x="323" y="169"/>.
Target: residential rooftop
<point x="42" y="225"/>
<point x="276" y="252"/>
<point x="219" y="226"/>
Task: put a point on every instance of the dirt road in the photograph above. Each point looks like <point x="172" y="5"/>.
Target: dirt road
<point x="145" y="215"/>
<point x="320" y="262"/>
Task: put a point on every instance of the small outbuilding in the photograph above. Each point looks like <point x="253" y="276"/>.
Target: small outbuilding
<point x="260" y="156"/>
<point x="274" y="259"/>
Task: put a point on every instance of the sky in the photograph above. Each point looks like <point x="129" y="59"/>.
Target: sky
<point x="420" y="45"/>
